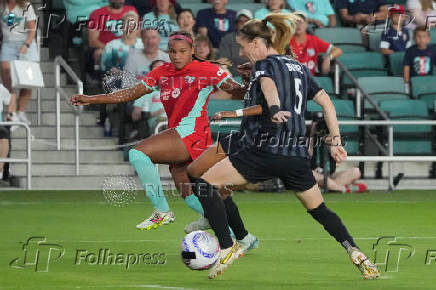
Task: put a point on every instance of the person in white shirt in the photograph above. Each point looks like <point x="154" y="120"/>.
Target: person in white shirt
<point x="18" y="24"/>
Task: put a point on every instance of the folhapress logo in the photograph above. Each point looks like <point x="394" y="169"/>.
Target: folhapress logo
<point x="38" y="254"/>
<point x="389" y="253"/>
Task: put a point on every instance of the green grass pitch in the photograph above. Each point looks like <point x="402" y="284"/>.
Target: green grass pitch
<point x="295" y="252"/>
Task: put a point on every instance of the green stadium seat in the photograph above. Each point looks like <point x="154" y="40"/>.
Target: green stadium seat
<point x="327" y="84"/>
<point x="424" y="88"/>
<point x="433" y="35"/>
<point x="348" y="39"/>
<point x="374" y="40"/>
<point x="362" y="64"/>
<point x="344" y="111"/>
<point x="223" y="105"/>
<point x="383" y="88"/>
<point x="409" y="139"/>
<point x="396" y="63"/>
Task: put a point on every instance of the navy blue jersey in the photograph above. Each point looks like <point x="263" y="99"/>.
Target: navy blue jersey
<point x="295" y="85"/>
<point x="395" y="40"/>
<point x="421" y="62"/>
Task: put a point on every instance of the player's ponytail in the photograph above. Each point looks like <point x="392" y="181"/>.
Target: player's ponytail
<point x="278" y="37"/>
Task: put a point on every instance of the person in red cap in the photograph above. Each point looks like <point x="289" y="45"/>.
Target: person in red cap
<point x="396" y="37"/>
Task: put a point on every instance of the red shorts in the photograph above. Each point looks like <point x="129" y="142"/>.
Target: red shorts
<point x="196" y="143"/>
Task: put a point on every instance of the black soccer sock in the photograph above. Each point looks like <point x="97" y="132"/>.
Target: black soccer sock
<point x="214" y="210"/>
<point x="333" y="225"/>
<point x="234" y="219"/>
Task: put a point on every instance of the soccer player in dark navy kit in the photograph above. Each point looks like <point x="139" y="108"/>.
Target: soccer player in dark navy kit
<point x="272" y="140"/>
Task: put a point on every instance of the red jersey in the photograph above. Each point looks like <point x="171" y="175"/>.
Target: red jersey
<point x="307" y="52"/>
<point x="109" y="24"/>
<point x="185" y="95"/>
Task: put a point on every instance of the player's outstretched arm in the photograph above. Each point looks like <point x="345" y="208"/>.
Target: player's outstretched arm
<point x="121" y="96"/>
<point x="249" y="111"/>
<point x="336" y="150"/>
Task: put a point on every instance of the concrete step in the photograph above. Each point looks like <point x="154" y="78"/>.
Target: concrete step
<point x="49" y="79"/>
<point x="106" y="143"/>
<point x="84" y="182"/>
<point x="48" y="105"/>
<point x="53" y="156"/>
<point x="67" y="118"/>
<point x="50" y="93"/>
<point x="406" y="183"/>
<point x="47" y="66"/>
<point x="49" y="132"/>
<point x="410" y="169"/>
<point x="65" y="169"/>
<point x="44" y="54"/>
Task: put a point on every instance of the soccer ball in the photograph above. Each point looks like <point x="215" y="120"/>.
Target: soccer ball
<point x="199" y="250"/>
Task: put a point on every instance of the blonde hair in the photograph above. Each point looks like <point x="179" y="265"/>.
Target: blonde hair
<point x="426" y="5"/>
<point x="284" y="28"/>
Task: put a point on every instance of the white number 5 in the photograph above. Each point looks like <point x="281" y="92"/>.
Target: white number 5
<point x="297" y="107"/>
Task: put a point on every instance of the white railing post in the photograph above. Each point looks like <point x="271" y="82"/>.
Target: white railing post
<point x="38" y="106"/>
<point x="358" y="103"/>
<point x="391" y="153"/>
<point x="58" y="105"/>
<point x="337" y="74"/>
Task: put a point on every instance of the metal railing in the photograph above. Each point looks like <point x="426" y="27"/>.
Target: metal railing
<point x="360" y="92"/>
<point x="27" y="160"/>
<point x="58" y="63"/>
<point x="390" y="152"/>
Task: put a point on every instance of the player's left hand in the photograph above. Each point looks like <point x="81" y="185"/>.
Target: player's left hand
<point x="223" y="114"/>
<point x="338" y="153"/>
<point x="281" y="116"/>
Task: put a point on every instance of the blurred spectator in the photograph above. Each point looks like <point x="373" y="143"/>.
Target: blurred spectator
<point x="215" y="22"/>
<point x="343" y="181"/>
<point x="228" y="46"/>
<point x="396" y="37"/>
<point x="149" y="107"/>
<point x="5" y="97"/>
<point x="422" y="11"/>
<point x="186" y="21"/>
<point x="163" y="18"/>
<point x="419" y="58"/>
<point x="272" y="6"/>
<point x="116" y="51"/>
<point x="18" y="24"/>
<point x="105" y="24"/>
<point x="203" y="48"/>
<point x="145" y="6"/>
<point x="307" y="48"/>
<point x="139" y="60"/>
<point x="319" y="12"/>
<point x="362" y="12"/>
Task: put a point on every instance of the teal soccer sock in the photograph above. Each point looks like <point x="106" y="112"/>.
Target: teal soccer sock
<point x="193" y="202"/>
<point x="150" y="180"/>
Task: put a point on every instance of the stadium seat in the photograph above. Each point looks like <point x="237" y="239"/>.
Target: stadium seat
<point x="409" y="139"/>
<point x="344" y="111"/>
<point x="396" y="64"/>
<point x="327" y="84"/>
<point x="374" y="40"/>
<point x="433" y="35"/>
<point x="362" y="64"/>
<point x="424" y="88"/>
<point x="383" y="88"/>
<point x="223" y="105"/>
<point x="347" y="39"/>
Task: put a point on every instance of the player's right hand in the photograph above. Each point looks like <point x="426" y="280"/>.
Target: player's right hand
<point x="80" y="100"/>
<point x="281" y="116"/>
<point x="223" y="114"/>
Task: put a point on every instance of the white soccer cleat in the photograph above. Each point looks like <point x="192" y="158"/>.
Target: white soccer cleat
<point x="23" y="118"/>
<point x="226" y="257"/>
<point x="249" y="242"/>
<point x="157" y="219"/>
<point x="201" y="224"/>
<point x="366" y="267"/>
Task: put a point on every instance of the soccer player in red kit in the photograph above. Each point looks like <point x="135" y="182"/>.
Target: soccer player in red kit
<point x="185" y="86"/>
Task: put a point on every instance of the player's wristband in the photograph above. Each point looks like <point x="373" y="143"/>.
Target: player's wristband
<point x="239" y="113"/>
<point x="274" y="109"/>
